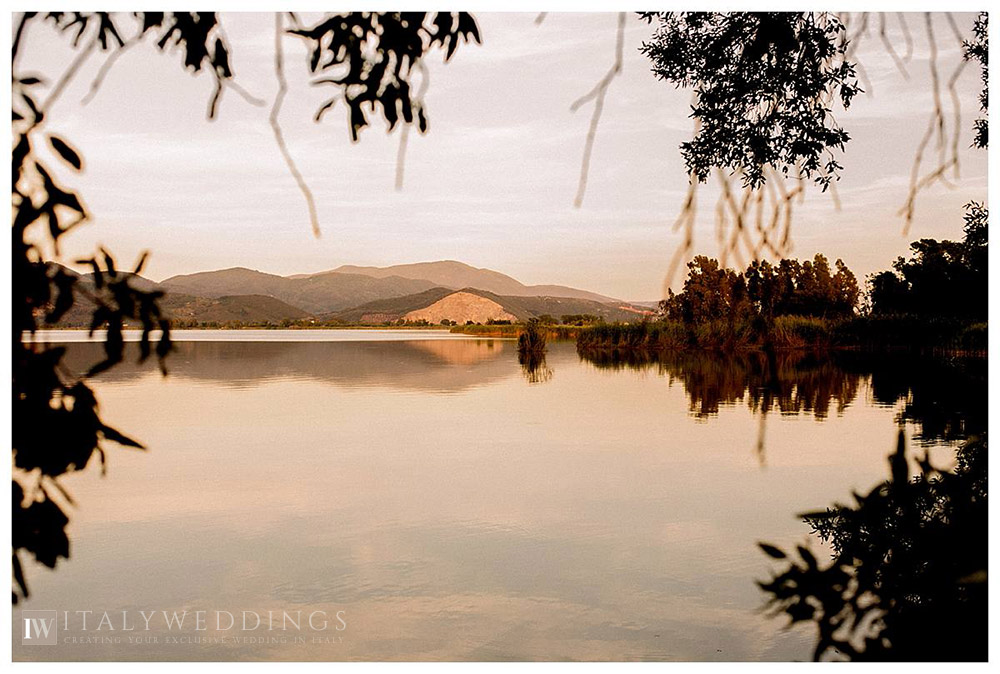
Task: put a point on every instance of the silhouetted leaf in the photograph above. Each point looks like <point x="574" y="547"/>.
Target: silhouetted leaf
<point x="120" y="438"/>
<point x="807" y="556"/>
<point x="141" y="263"/>
<point x="69" y="155"/>
<point x="772" y="551"/>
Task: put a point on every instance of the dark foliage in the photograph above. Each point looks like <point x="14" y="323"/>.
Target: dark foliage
<point x="763" y="291"/>
<point x="532" y="338"/>
<point x="531" y="352"/>
<point x="370" y="58"/>
<point x="942" y="278"/>
<point x="197" y="35"/>
<point x="58" y="428"/>
<point x="908" y="580"/>
<point x="978" y="50"/>
<point x="943" y="397"/>
<point x="765" y="83"/>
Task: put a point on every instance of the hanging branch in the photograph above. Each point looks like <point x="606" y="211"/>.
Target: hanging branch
<point x="404" y="135"/>
<point x="760" y="224"/>
<point x="106" y="67"/>
<point x="598" y="94"/>
<point x="218" y="61"/>
<point x="69" y="74"/>
<point x="937" y="131"/>
<point x="945" y="143"/>
<point x="223" y="80"/>
<point x="887" y="44"/>
<point x="279" y="71"/>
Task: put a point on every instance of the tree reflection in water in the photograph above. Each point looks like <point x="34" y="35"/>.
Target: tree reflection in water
<point x="533" y="367"/>
<point x="789" y="382"/>
<point x="944" y="397"/>
<point x="908" y="575"/>
<point x="908" y="578"/>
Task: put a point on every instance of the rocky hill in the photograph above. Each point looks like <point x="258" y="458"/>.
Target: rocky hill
<point x="459" y="306"/>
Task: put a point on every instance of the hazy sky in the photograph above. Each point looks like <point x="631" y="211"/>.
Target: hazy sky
<point x="491" y="184"/>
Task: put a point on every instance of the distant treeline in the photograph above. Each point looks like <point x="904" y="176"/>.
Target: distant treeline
<point x="789" y="288"/>
<point x="941" y="278"/>
<point x="935" y="299"/>
<point x="869" y="332"/>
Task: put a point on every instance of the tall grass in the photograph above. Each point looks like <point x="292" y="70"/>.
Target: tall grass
<point x="789" y="332"/>
<point x="669" y="335"/>
<point x="652" y="336"/>
<point x="799" y="332"/>
<point x="532" y="339"/>
<point x="940" y="333"/>
<point x="552" y="332"/>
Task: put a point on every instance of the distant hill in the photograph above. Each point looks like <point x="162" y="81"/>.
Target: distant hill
<point x="135" y="280"/>
<point x="229" y="308"/>
<point x="529" y="307"/>
<point x="411" y="307"/>
<point x="323" y="293"/>
<point x="391" y="309"/>
<point x="461" y="306"/>
<point x="187" y="308"/>
<point x="428" y="291"/>
<point x="456" y="275"/>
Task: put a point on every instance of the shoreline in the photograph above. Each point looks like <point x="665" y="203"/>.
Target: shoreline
<point x="885" y="334"/>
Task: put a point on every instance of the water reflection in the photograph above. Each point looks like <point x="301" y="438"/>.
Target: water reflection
<point x="423" y="365"/>
<point x="534" y="367"/>
<point x="908" y="574"/>
<point x="908" y="579"/>
<point x="789" y="382"/>
<point x="458" y="512"/>
<point x="944" y="397"/>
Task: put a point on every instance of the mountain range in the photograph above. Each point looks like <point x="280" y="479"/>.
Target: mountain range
<point x="426" y="291"/>
<point x="452" y="274"/>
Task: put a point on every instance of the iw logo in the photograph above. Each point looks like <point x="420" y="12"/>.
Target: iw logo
<point x="39" y="628"/>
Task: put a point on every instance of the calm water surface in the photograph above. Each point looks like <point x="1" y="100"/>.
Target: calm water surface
<point x="453" y="506"/>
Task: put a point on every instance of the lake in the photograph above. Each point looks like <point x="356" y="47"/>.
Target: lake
<point x="422" y="496"/>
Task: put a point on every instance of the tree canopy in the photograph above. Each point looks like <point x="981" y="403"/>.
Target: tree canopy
<point x="809" y="288"/>
<point x="764" y="83"/>
<point x="941" y="278"/>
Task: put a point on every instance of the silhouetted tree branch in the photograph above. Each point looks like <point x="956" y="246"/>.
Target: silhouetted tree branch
<point x="279" y="136"/>
<point x="908" y="580"/>
<point x="764" y="84"/>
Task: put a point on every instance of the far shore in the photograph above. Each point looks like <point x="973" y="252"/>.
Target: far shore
<point x="866" y="333"/>
<point x="81" y="328"/>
